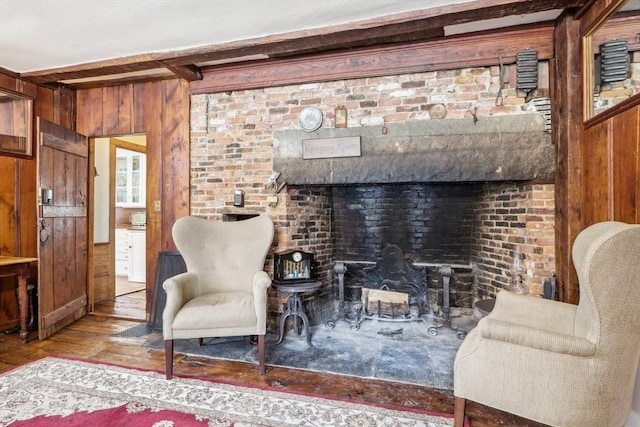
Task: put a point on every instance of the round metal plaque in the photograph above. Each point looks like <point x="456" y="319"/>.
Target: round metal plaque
<point x="438" y="111"/>
<point x="310" y="119"/>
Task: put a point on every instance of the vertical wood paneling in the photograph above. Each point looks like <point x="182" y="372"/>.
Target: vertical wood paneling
<point x="175" y="157"/>
<point x="64" y="108"/>
<point x="637" y="220"/>
<point x="624" y="142"/>
<point x="125" y="109"/>
<point x="110" y="110"/>
<point x="89" y="114"/>
<point x="8" y="211"/>
<point x="8" y="236"/>
<point x="597" y="197"/>
<point x="149" y="107"/>
<point x="161" y="111"/>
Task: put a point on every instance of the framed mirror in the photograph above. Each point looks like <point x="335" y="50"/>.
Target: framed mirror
<point x="16" y="124"/>
<point x="612" y="58"/>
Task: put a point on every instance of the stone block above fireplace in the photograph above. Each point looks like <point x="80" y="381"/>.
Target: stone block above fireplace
<point x="501" y="148"/>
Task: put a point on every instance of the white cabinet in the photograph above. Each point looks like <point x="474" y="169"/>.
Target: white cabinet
<point x="130" y="178"/>
<point x="137" y="255"/>
<point x="131" y="254"/>
<point x="122" y="252"/>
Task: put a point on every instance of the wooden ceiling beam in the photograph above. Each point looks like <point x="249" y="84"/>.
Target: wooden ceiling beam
<point x="189" y="72"/>
<point x="410" y="26"/>
<point x="468" y="50"/>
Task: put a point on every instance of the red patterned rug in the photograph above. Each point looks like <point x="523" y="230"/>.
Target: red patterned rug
<point x="55" y="392"/>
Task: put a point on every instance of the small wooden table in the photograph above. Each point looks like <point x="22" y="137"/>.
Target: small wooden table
<point x="294" y="305"/>
<point x="19" y="267"/>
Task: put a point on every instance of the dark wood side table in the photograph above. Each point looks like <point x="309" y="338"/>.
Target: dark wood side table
<point x="293" y="306"/>
<point x="19" y="267"/>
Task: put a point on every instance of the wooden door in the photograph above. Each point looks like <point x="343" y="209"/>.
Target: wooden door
<point x="63" y="163"/>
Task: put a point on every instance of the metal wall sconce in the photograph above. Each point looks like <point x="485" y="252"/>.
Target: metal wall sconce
<point x="614" y="61"/>
<point x="527" y="70"/>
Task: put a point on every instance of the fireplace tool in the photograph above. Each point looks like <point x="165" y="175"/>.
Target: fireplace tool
<point x="444" y="317"/>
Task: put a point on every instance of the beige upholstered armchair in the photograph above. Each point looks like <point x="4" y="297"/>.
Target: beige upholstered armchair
<point x="224" y="291"/>
<point x="556" y="363"/>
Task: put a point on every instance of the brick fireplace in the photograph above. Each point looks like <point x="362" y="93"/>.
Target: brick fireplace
<point x="457" y="191"/>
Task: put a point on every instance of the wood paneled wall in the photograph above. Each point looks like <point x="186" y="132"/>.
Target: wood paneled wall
<point x="610" y="181"/>
<point x="598" y="161"/>
<point x="18" y="224"/>
<point x="161" y="111"/>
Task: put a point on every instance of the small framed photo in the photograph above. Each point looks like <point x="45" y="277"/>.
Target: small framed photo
<point x="341" y="116"/>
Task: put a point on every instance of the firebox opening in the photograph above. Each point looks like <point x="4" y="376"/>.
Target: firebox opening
<point x="474" y="227"/>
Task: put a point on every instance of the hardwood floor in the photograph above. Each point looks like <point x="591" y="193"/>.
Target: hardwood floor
<point x="130" y="306"/>
<point x="92" y="337"/>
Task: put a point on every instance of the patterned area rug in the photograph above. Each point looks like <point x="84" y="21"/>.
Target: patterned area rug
<point x="55" y="392"/>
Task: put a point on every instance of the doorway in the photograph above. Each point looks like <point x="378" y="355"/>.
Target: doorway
<point x="119" y="286"/>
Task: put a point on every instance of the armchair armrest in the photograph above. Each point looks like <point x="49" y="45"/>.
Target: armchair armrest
<point x="535" y="338"/>
<point x="179" y="289"/>
<point x="555" y="316"/>
<point x="261" y="282"/>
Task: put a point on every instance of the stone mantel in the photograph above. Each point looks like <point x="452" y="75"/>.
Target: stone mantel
<point x="500" y="148"/>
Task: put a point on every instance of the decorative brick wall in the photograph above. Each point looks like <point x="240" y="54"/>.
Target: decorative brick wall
<point x="232" y="149"/>
<point x="514" y="218"/>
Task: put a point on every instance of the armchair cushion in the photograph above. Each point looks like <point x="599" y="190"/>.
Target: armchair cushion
<point x="232" y="309"/>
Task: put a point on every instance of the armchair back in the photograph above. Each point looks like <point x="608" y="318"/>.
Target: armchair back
<point x="607" y="260"/>
<point x="224" y="255"/>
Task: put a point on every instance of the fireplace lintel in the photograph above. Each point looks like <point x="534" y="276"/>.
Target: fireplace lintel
<point x="502" y="148"/>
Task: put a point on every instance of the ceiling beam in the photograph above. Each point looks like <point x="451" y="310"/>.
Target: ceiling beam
<point x="410" y="26"/>
<point x="188" y="72"/>
<point x="468" y="50"/>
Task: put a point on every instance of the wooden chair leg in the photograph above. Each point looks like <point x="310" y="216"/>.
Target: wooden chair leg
<point x="459" y="404"/>
<point x="168" y="355"/>
<point x="261" y="363"/>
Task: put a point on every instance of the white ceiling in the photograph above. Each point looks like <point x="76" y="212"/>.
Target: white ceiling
<point x="48" y="34"/>
<point x="45" y="34"/>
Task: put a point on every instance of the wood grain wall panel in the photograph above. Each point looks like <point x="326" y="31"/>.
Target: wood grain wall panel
<point x="45" y="108"/>
<point x="89" y="115"/>
<point x="111" y="110"/>
<point x="8" y="238"/>
<point x="175" y="157"/>
<point x="125" y="109"/>
<point x="625" y="174"/>
<point x="149" y="106"/>
<point x="597" y="195"/>
<point x="8" y="82"/>
<point x="103" y="283"/>
<point x="8" y="211"/>
<point x="64" y="108"/>
<point x="27" y="210"/>
<point x="18" y="192"/>
<point x="161" y="111"/>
